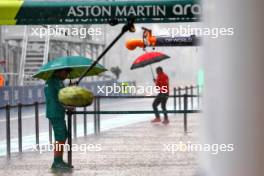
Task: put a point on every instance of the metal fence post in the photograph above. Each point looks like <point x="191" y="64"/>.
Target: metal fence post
<point x="85" y="122"/>
<point x="37" y="123"/>
<point x="75" y="126"/>
<point x="95" y="115"/>
<point x="8" y="144"/>
<point x="185" y="112"/>
<point x="98" y="115"/>
<point x="179" y="89"/>
<point x="186" y="92"/>
<point x="69" y="114"/>
<point x="174" y="98"/>
<point x="192" y="97"/>
<point x="19" y="115"/>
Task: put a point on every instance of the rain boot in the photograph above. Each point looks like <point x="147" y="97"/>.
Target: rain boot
<point x="58" y="163"/>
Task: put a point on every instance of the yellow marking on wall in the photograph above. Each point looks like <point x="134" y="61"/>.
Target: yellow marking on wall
<point x="9" y="9"/>
<point x="8" y="22"/>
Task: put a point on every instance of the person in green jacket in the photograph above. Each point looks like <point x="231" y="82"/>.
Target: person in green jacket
<point x="55" y="112"/>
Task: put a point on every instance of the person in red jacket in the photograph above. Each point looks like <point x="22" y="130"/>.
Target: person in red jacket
<point x="162" y="83"/>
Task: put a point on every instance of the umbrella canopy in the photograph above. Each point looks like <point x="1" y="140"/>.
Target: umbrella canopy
<point x="78" y="65"/>
<point x="148" y="58"/>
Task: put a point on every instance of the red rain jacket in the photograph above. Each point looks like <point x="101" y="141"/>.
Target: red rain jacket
<point x="162" y="82"/>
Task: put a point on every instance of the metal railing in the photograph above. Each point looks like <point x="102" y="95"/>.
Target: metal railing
<point x="181" y="97"/>
<point x="19" y="120"/>
<point x="97" y="111"/>
<point x="13" y="95"/>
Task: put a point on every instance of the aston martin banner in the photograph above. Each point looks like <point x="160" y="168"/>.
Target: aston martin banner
<point x="98" y="12"/>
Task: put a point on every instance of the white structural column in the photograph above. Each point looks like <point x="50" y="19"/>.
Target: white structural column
<point x="234" y="88"/>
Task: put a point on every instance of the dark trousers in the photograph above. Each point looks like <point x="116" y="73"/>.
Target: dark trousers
<point x="160" y="99"/>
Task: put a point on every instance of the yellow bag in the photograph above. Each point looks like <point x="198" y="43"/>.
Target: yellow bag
<point x="75" y="96"/>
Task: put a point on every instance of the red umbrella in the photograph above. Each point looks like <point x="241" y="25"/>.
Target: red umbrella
<point x="148" y="59"/>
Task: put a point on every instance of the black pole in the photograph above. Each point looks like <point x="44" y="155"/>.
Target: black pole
<point x="127" y="27"/>
<point x="180" y="98"/>
<point x="37" y="123"/>
<point x="192" y="97"/>
<point x="85" y="122"/>
<point x="19" y="115"/>
<point x="69" y="114"/>
<point x="185" y="112"/>
<point x="75" y="126"/>
<point x="95" y="115"/>
<point x="186" y="92"/>
<point x="174" y="98"/>
<point x="8" y="144"/>
<point x="98" y="115"/>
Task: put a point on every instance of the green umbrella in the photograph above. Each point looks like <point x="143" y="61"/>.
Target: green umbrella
<point x="78" y="65"/>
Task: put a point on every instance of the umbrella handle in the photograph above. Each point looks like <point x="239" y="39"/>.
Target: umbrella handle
<point x="71" y="83"/>
<point x="152" y="71"/>
<point x="127" y="27"/>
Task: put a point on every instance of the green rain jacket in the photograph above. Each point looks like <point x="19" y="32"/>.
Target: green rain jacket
<point x="54" y="109"/>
